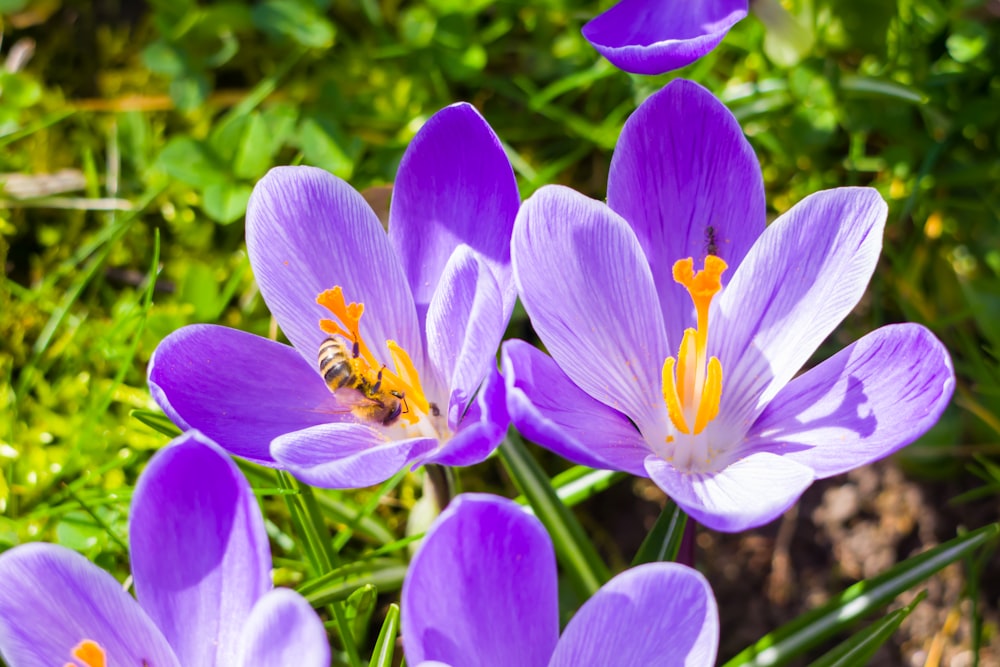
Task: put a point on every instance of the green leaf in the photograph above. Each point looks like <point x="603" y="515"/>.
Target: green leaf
<point x="295" y="20"/>
<point x="191" y="162"/>
<point x="156" y="421"/>
<point x="324" y="145"/>
<point x="861" y="599"/>
<point x="664" y="541"/>
<point x="200" y="288"/>
<point x="226" y="202"/>
<point x="386" y="574"/>
<point x="386" y="643"/>
<point x="573" y="550"/>
<point x="861" y="647"/>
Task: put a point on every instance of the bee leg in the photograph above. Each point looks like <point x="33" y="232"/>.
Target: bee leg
<point x="378" y="381"/>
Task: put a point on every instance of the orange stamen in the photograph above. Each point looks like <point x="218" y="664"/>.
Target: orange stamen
<point x="405" y="380"/>
<point x="89" y="653"/>
<point x="693" y="393"/>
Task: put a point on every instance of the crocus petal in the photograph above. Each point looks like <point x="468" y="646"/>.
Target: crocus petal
<point x="308" y="231"/>
<point x="653" y="614"/>
<point x="589" y="292"/>
<point x="805" y="274"/>
<point x="345" y="456"/>
<point x="862" y="404"/>
<point x="455" y="185"/>
<point x="51" y="599"/>
<point x="200" y="555"/>
<point x="653" y="36"/>
<point x="748" y="493"/>
<point x="465" y="324"/>
<point x="238" y="389"/>
<point x="687" y="181"/>
<point x="482" y="549"/>
<point x="482" y="428"/>
<point x="548" y="409"/>
<point x="284" y="631"/>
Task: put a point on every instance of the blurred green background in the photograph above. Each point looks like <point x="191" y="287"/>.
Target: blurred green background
<point x="131" y="134"/>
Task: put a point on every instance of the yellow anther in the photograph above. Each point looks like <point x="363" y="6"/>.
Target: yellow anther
<point x="693" y="394"/>
<point x="89" y="653"/>
<point x="408" y="377"/>
<point x="671" y="398"/>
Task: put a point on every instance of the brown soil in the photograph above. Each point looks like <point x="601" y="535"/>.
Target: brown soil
<point x="843" y="530"/>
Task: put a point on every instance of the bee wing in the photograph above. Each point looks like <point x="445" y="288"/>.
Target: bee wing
<point x="349" y="397"/>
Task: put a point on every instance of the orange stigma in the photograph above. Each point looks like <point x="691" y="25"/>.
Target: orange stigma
<point x="405" y="378"/>
<point x="692" y="382"/>
<point x="89" y="653"/>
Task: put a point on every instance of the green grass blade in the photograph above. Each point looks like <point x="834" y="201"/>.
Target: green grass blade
<point x="574" y="551"/>
<point x="386" y="574"/>
<point x="664" y="541"/>
<point x="157" y="421"/>
<point x="861" y="599"/>
<point x="386" y="643"/>
<point x="860" y="648"/>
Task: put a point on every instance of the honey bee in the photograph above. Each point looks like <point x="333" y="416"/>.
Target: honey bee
<point x="356" y="385"/>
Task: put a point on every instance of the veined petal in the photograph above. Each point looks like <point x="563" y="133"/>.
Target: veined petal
<point x="465" y="324"/>
<point x="589" y="292"/>
<point x="308" y="231"/>
<point x="747" y="493"/>
<point x="862" y="404"/>
<point x="653" y="37"/>
<point x="482" y="548"/>
<point x="653" y="614"/>
<point x="284" y="631"/>
<point x="51" y="599"/>
<point x="199" y="551"/>
<point x="805" y="274"/>
<point x="548" y="409"/>
<point x="687" y="181"/>
<point x="482" y="428"/>
<point x="238" y="389"/>
<point x="455" y="185"/>
<point x="346" y="456"/>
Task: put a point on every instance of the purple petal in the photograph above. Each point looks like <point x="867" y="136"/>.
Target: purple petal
<point x="284" y="631"/>
<point x="464" y="327"/>
<point x="548" y="409"/>
<point x="455" y="185"/>
<point x="482" y="429"/>
<point x="588" y="290"/>
<point x="867" y="401"/>
<point x="805" y="274"/>
<point x="308" y="231"/>
<point x="653" y="614"/>
<point x="482" y="549"/>
<point x="747" y="493"/>
<point x="654" y="37"/>
<point x="687" y="181"/>
<point x="238" y="389"/>
<point x="51" y="599"/>
<point x="200" y="555"/>
<point x="346" y="456"/>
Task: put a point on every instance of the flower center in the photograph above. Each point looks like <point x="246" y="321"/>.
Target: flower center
<point x="692" y="382"/>
<point x="89" y="653"/>
<point x="398" y="393"/>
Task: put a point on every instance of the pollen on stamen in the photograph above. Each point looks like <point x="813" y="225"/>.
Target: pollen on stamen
<point x="89" y="653"/>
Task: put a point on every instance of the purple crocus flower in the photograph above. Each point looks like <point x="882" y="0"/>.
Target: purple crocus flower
<point x="481" y="592"/>
<point x="202" y="570"/>
<point x="395" y="335"/>
<point x="656" y="36"/>
<point x="684" y="371"/>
